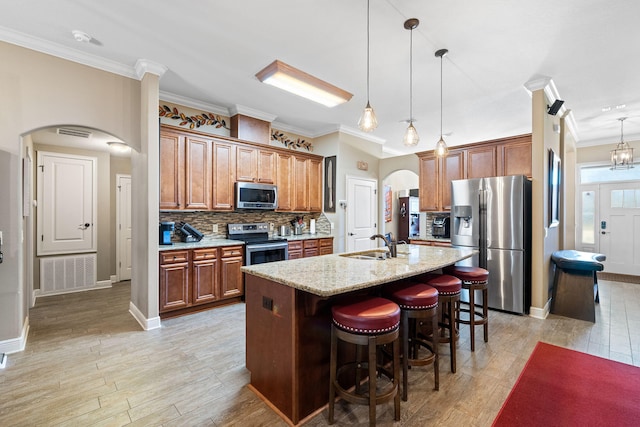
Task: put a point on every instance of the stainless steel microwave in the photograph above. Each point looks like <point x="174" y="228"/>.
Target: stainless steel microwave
<point x="250" y="195"/>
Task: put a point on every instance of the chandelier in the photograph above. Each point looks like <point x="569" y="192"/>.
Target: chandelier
<point x="622" y="155"/>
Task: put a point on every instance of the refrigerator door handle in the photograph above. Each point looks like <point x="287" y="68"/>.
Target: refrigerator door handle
<point x="482" y="232"/>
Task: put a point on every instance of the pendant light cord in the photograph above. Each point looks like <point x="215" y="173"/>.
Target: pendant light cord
<point x="441" y="96"/>
<point x="368" y="19"/>
<point x="411" y="78"/>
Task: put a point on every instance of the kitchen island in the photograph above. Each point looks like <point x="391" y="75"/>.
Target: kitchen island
<point x="288" y="325"/>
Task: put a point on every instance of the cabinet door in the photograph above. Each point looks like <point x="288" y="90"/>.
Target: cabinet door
<point x="284" y="182"/>
<point x="516" y="159"/>
<point x="246" y="163"/>
<point x="224" y="162"/>
<point x="452" y="169"/>
<point x="266" y="167"/>
<point x="326" y="245"/>
<point x="482" y="162"/>
<point x="310" y="248"/>
<point x="315" y="185"/>
<point x="206" y="284"/>
<point x="231" y="277"/>
<point x="171" y="170"/>
<point x="300" y="189"/>
<point x="174" y="286"/>
<point x="198" y="173"/>
<point x="429" y="183"/>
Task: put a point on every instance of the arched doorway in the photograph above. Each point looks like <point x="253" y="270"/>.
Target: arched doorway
<point x="394" y="185"/>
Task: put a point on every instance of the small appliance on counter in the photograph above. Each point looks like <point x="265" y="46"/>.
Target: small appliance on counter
<point x="188" y="234"/>
<point x="166" y="229"/>
<point x="440" y="227"/>
<point x="298" y="225"/>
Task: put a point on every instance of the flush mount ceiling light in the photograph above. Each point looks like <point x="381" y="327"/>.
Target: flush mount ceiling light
<point x="81" y="36"/>
<point x="118" y="147"/>
<point x="441" y="146"/>
<point x="622" y="155"/>
<point x="368" y="121"/>
<point x="298" y="82"/>
<point x="411" y="137"/>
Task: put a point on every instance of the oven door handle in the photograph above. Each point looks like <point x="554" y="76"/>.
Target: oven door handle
<point x="268" y="246"/>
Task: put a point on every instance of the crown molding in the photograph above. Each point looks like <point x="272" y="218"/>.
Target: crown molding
<point x="251" y="112"/>
<point x="144" y="66"/>
<point x="193" y="103"/>
<point x="537" y="83"/>
<point x="362" y="135"/>
<point x="63" y="52"/>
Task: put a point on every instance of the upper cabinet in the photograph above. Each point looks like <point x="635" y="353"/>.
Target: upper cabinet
<point x="198" y="172"/>
<point x="502" y="157"/>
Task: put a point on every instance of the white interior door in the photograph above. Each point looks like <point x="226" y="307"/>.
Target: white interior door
<point x="123" y="227"/>
<point x="67" y="200"/>
<point x="619" y="227"/>
<point x="362" y="202"/>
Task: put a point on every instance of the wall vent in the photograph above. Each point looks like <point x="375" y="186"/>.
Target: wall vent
<point x="64" y="274"/>
<point x="80" y="133"/>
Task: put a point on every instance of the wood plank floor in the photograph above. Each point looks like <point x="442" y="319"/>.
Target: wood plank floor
<point x="87" y="362"/>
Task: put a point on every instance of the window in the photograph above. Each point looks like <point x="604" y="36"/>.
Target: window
<point x="588" y="217"/>
<point x="591" y="174"/>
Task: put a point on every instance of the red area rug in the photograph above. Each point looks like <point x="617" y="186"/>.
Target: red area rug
<point x="561" y="387"/>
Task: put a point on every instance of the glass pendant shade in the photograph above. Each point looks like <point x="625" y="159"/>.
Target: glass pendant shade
<point x="441" y="148"/>
<point x="411" y="137"/>
<point x="622" y="155"/>
<point x="368" y="120"/>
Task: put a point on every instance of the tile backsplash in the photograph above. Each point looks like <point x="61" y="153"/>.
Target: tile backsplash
<point x="204" y="221"/>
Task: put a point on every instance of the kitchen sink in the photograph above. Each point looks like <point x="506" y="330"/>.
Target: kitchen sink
<point x="378" y="255"/>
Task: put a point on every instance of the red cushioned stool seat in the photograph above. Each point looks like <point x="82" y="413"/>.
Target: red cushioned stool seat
<point x="418" y="302"/>
<point x="473" y="279"/>
<point x="448" y="298"/>
<point x="369" y="323"/>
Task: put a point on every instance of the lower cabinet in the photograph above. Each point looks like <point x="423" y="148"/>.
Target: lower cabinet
<point x="191" y="279"/>
<point x="310" y="247"/>
<point x="446" y="244"/>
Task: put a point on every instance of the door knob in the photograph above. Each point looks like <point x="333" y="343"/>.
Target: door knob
<point x="352" y="234"/>
<point x="84" y="226"/>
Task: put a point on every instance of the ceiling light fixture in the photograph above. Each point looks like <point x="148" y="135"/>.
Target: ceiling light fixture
<point x="81" y="36"/>
<point x="622" y="155"/>
<point x="368" y="120"/>
<point x="441" y="146"/>
<point x="411" y="137"/>
<point x="298" y="82"/>
<point x="118" y="147"/>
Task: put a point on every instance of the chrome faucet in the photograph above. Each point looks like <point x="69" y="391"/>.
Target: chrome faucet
<point x="390" y="245"/>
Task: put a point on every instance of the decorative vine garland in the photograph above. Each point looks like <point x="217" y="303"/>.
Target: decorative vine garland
<point x="277" y="135"/>
<point x="193" y="121"/>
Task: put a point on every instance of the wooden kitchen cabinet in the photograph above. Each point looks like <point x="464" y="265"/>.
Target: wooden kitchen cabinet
<point x="284" y="164"/>
<point x="174" y="280"/>
<point x="196" y="279"/>
<point x="314" y="185"/>
<point x="436" y="175"/>
<point x="482" y="162"/>
<point x="198" y="164"/>
<point x="224" y="161"/>
<point x="445" y="244"/>
<point x="515" y="157"/>
<point x="171" y="169"/>
<point x="295" y="250"/>
<point x="255" y="165"/>
<point x="326" y="245"/>
<point x="310" y="248"/>
<point x="300" y="191"/>
<point x="231" y="276"/>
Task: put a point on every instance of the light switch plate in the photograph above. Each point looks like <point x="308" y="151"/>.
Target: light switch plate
<point x="214" y="228"/>
<point x="0" y="238"/>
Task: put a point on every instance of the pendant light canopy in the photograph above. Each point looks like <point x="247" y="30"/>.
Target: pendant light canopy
<point x="368" y="120"/>
<point x="411" y="137"/>
<point x="622" y="155"/>
<point x="441" y="146"/>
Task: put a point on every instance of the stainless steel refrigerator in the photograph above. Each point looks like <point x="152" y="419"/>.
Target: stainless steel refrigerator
<point x="493" y="215"/>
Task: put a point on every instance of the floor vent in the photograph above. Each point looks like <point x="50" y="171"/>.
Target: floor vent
<point x="80" y="133"/>
<point x="67" y="274"/>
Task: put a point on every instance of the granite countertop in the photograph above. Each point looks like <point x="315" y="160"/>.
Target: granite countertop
<point x="335" y="274"/>
<point x="306" y="236"/>
<point x="204" y="243"/>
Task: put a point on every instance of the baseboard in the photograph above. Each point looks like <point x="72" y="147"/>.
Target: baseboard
<point x="15" y="345"/>
<point x="540" y="313"/>
<point x="147" y="324"/>
<point x="114" y="278"/>
<point x="101" y="284"/>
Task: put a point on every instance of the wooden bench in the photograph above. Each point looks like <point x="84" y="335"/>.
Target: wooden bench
<point x="575" y="284"/>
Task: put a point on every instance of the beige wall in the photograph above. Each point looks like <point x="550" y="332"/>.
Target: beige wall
<point x="602" y="153"/>
<point x="39" y="91"/>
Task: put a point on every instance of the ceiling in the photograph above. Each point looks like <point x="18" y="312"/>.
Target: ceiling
<point x="213" y="49"/>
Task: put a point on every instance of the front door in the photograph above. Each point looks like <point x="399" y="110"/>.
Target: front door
<point x="66" y="212"/>
<point x="619" y="227"/>
<point x="362" y="212"/>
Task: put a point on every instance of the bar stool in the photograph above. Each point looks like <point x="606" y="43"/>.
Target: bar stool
<point x="473" y="279"/>
<point x="417" y="302"/>
<point x="448" y="288"/>
<point x="371" y="322"/>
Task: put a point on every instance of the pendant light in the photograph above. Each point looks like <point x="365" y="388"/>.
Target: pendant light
<point x="622" y="155"/>
<point x="441" y="146"/>
<point x="411" y="137"/>
<point x="368" y="120"/>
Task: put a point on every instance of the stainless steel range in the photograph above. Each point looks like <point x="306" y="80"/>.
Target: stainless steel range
<point x="259" y="248"/>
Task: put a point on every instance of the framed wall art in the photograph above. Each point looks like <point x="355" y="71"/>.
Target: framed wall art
<point x="330" y="184"/>
<point x="554" y="189"/>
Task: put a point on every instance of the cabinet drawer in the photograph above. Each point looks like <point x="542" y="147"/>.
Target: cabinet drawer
<point x="295" y="246"/>
<point x="326" y="242"/>
<point x="200" y="254"/>
<point x="311" y="243"/>
<point x="231" y="251"/>
<point x="172" y="257"/>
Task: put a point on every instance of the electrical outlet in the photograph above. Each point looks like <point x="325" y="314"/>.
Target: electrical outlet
<point x="272" y="227"/>
<point x="214" y="228"/>
<point x="0" y="238"/>
<point x="332" y="225"/>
